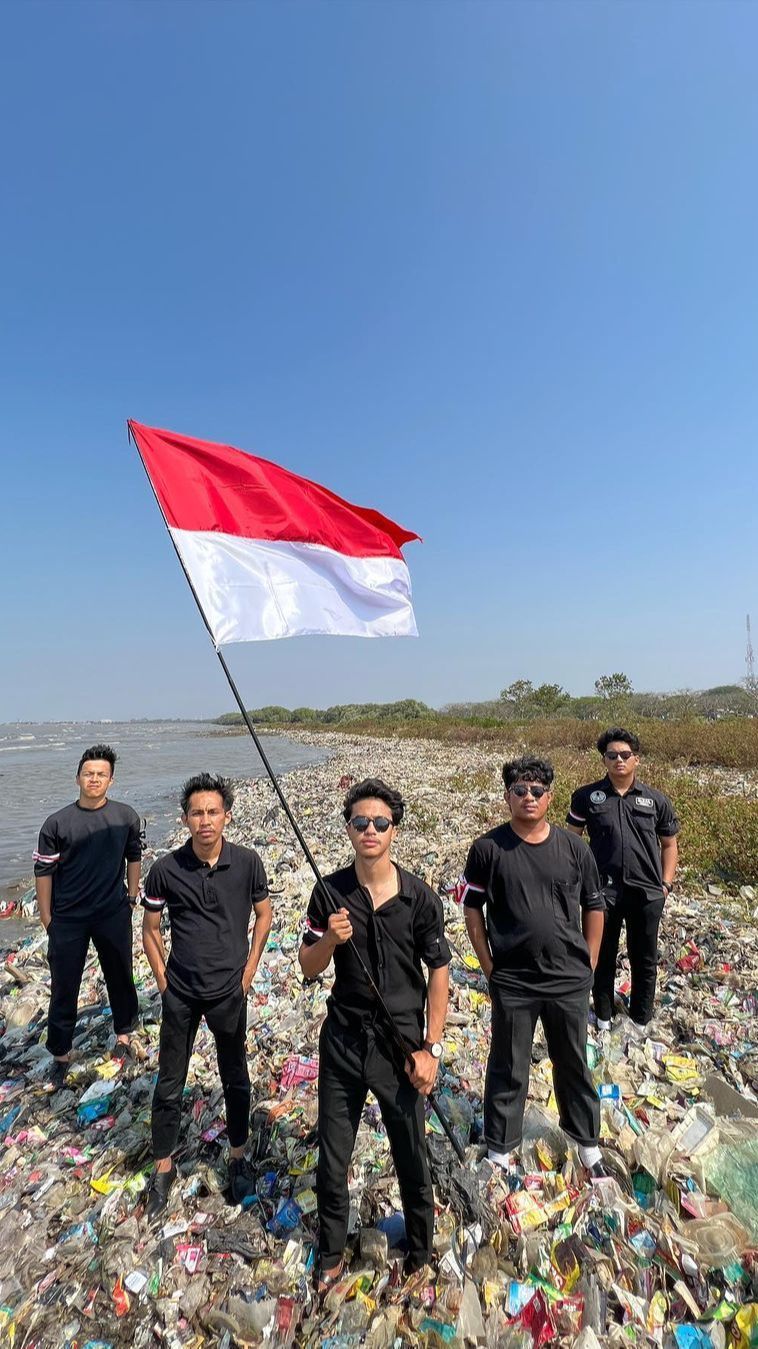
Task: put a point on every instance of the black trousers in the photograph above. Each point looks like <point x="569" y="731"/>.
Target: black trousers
<point x="642" y="914"/>
<point x="68" y="940"/>
<point x="227" y="1019"/>
<point x="351" y="1065"/>
<point x="514" y="1020"/>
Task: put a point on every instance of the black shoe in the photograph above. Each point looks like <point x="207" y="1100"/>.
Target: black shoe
<point x="57" y="1073"/>
<point x="413" y="1264"/>
<point x="598" y="1171"/>
<point x="241" y="1182"/>
<point x="157" y="1192"/>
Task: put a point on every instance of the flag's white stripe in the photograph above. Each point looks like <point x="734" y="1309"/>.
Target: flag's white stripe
<point x="253" y="590"/>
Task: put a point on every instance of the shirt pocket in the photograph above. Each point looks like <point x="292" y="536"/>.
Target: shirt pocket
<point x="566" y="901"/>
<point x="644" y="820"/>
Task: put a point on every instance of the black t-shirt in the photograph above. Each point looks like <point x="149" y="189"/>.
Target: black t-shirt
<point x="624" y="831"/>
<point x="209" y="912"/>
<point x="533" y="895"/>
<point x="85" y="852"/>
<point x="393" y="940"/>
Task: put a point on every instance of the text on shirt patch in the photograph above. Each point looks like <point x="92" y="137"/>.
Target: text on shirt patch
<point x="643" y="801"/>
<point x="597" y="797"/>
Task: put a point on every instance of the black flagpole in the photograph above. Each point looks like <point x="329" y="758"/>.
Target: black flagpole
<point x="402" y="1044"/>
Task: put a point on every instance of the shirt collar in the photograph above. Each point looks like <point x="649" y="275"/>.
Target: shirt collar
<point x="224" y="858"/>
<point x="635" y="787"/>
<point x="404" y="891"/>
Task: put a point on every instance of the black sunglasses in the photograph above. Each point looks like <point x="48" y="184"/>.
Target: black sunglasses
<point x="529" y="788"/>
<point x="362" y="822"/>
<point x="619" y="754"/>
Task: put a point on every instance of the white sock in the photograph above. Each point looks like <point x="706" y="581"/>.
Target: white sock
<point x="589" y="1156"/>
<point x="603" y="1025"/>
<point x="504" y="1159"/>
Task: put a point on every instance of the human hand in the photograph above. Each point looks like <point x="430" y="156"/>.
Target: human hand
<point x="247" y="980"/>
<point x="339" y="929"/>
<point x="421" y="1068"/>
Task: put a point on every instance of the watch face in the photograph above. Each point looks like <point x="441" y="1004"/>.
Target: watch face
<point x="436" y="1051"/>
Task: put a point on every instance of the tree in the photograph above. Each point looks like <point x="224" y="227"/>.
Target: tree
<point x="517" y="697"/>
<point x="549" y="699"/>
<point x="613" y="686"/>
<point x="616" y="691"/>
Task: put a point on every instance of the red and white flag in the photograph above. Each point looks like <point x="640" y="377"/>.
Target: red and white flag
<point x="270" y="554"/>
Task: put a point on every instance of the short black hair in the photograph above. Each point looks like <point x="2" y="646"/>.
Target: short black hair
<point x="528" y="769"/>
<point x="98" y="752"/>
<point x="208" y="782"/>
<point x="378" y="789"/>
<point x="618" y="733"/>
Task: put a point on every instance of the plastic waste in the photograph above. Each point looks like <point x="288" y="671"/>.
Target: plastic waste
<point x="660" y="1254"/>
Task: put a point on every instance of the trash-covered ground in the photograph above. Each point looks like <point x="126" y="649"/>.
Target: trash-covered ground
<point x="663" y="1253"/>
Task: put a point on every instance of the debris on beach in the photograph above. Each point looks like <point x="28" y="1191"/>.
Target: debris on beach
<point x="663" y="1252"/>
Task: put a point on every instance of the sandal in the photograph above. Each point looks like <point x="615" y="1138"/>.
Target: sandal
<point x="324" y="1282"/>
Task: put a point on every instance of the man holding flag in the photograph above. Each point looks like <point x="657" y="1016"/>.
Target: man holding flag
<point x="393" y="921"/>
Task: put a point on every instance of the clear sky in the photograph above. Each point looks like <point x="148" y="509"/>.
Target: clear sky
<point x="490" y="268"/>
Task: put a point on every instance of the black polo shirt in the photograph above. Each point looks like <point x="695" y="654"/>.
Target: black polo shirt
<point x="393" y="940"/>
<point x="85" y="852"/>
<point x="624" y="831"/>
<point x="209" y="912"/>
<point x="533" y="895"/>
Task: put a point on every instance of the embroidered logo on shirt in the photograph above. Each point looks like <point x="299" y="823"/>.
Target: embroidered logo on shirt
<point x="597" y="797"/>
<point x="643" y="800"/>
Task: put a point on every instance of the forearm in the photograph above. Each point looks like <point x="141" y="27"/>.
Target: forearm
<point x="593" y="922"/>
<point x="133" y="872"/>
<point x="477" y="935"/>
<point x="261" y="929"/>
<point x="669" y="860"/>
<point x="152" y="943"/>
<point x="315" y="959"/>
<point x="44" y="888"/>
<point x="437" y="997"/>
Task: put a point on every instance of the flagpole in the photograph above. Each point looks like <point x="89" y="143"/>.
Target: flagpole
<point x="401" y="1042"/>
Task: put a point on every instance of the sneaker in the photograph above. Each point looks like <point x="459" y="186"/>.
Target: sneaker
<point x="122" y="1050"/>
<point x="158" y="1191"/>
<point x="602" y="1025"/>
<point x="598" y="1171"/>
<point x="241" y="1182"/>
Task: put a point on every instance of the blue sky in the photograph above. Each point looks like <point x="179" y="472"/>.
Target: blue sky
<point x="489" y="268"/>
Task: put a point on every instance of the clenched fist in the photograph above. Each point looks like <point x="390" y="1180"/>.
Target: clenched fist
<point x="340" y="928"/>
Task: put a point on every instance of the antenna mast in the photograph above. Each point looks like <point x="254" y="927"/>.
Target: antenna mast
<point x="749" y="657"/>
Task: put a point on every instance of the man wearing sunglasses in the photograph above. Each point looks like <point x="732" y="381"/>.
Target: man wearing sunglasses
<point x="210" y="889"/>
<point x="394" y="921"/>
<point x="534" y="916"/>
<point x="632" y="832"/>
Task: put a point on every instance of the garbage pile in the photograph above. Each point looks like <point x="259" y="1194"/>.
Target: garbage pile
<point x="663" y="1252"/>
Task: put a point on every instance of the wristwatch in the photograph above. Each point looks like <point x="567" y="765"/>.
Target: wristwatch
<point x="434" y="1048"/>
<point x="668" y="887"/>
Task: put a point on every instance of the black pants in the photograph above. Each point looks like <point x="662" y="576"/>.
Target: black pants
<point x="351" y="1065"/>
<point x="227" y="1019"/>
<point x="514" y="1020"/>
<point x="68" y="940"/>
<point x="642" y="914"/>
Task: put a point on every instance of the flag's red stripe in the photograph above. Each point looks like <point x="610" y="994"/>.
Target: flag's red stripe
<point x="204" y="486"/>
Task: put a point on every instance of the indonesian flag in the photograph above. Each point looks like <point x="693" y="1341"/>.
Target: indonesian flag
<point x="270" y="554"/>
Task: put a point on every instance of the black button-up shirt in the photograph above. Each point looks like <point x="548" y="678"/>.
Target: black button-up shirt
<point x="209" y="911"/>
<point x="624" y="831"/>
<point x="393" y="940"/>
